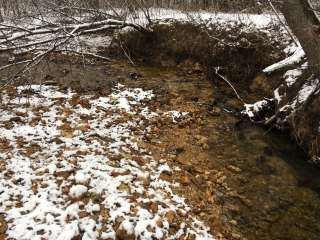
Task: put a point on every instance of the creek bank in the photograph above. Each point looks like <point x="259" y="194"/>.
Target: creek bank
<point x="240" y="51"/>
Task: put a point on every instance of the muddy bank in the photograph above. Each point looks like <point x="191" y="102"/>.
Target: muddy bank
<point x="243" y="181"/>
<point x="239" y="50"/>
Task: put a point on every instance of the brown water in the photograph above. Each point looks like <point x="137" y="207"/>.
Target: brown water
<point x="277" y="191"/>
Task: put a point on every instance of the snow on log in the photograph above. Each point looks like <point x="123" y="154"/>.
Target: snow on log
<point x="258" y="109"/>
<point x="295" y="58"/>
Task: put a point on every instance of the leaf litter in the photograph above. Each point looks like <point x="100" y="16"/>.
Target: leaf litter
<point x="72" y="166"/>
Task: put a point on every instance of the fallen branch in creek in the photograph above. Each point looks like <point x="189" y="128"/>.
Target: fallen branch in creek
<point x="229" y="83"/>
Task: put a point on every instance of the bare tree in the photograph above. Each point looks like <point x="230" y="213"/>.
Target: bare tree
<point x="305" y="24"/>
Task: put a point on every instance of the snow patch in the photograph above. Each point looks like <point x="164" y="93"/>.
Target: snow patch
<point x="77" y="191"/>
<point x="176" y="116"/>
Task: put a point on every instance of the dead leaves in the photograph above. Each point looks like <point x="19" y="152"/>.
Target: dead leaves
<point x="78" y="137"/>
<point x="77" y="99"/>
<point x="185" y="179"/>
<point x="3" y="227"/>
<point x="170" y="216"/>
<point x="5" y="145"/>
<point x="116" y="174"/>
<point x="85" y="127"/>
<point x="124" y="187"/>
<point x="66" y="130"/>
<point x="31" y="149"/>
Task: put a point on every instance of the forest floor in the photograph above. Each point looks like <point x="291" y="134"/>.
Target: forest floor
<point x="78" y="166"/>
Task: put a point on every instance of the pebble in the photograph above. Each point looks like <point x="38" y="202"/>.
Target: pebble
<point x="185" y="180"/>
<point x="233" y="169"/>
<point x="122" y="234"/>
<point x="233" y="222"/>
<point x="202" y="141"/>
<point x="215" y="111"/>
<point x="235" y="235"/>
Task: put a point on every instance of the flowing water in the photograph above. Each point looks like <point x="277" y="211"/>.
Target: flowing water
<point x="278" y="191"/>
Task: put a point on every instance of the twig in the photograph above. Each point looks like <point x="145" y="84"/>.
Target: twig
<point x="14" y="64"/>
<point x="84" y="53"/>
<point x="125" y="53"/>
<point x="229" y="83"/>
<point x="37" y="59"/>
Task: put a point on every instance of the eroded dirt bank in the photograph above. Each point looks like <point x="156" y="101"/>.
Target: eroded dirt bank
<point x="242" y="181"/>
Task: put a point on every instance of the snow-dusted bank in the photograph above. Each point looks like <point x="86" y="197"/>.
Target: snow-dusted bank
<point x="37" y="35"/>
<point x="162" y="14"/>
<point x="73" y="166"/>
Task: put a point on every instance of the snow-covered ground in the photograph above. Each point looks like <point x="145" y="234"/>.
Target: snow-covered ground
<point x="258" y="20"/>
<point x="72" y="165"/>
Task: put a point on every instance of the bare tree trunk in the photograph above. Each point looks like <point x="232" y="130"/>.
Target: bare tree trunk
<point x="305" y="25"/>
